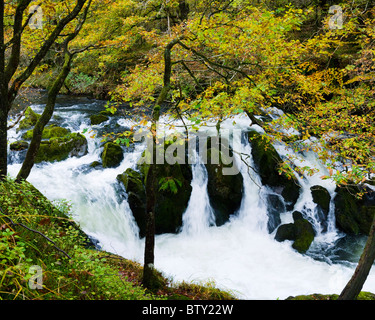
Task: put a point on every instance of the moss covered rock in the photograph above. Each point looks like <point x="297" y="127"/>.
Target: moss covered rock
<point x="49" y="132"/>
<point x="322" y="198"/>
<point x="60" y="148"/>
<point x="305" y="234"/>
<point x="29" y="120"/>
<point x="169" y="207"/>
<point x="112" y="155"/>
<point x="301" y="232"/>
<point x="354" y="214"/>
<point x="19" y="145"/>
<point x="133" y="182"/>
<point x="267" y="161"/>
<point x="98" y="119"/>
<point x="224" y="191"/>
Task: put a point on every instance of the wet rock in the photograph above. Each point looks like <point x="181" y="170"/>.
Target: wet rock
<point x="19" y="145"/>
<point x="112" y="155"/>
<point x="301" y="232"/>
<point x="170" y="206"/>
<point x="322" y="198"/>
<point x="29" y="120"/>
<point x="225" y="191"/>
<point x="133" y="182"/>
<point x="267" y="161"/>
<point x="354" y="214"/>
<point x="98" y="119"/>
<point x="60" y="148"/>
<point x="49" y="132"/>
<point x="275" y="206"/>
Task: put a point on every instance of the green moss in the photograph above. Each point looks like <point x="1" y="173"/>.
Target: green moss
<point x="19" y="145"/>
<point x="112" y="155"/>
<point x="51" y="131"/>
<point x="267" y="162"/>
<point x="304" y="235"/>
<point x="321" y="197"/>
<point x="353" y="215"/>
<point x="29" y="120"/>
<point x="98" y="119"/>
<point x="225" y="191"/>
<point x="59" y="149"/>
<point x="169" y="207"/>
<point x="301" y="232"/>
<point x="316" y="296"/>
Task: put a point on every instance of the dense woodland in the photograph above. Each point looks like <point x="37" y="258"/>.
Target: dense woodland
<point x="201" y="61"/>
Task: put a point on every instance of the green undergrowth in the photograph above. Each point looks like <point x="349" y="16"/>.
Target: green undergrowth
<point x="45" y="256"/>
<point x="362" y="296"/>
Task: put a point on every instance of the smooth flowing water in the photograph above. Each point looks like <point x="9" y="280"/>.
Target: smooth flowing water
<point x="240" y="256"/>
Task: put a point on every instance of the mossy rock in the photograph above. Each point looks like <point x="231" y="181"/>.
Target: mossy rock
<point x="95" y="164"/>
<point x="301" y="232"/>
<point x="267" y="161"/>
<point x="354" y="215"/>
<point x="112" y="155"/>
<point x="98" y="119"/>
<point x="29" y="120"/>
<point x="305" y="235"/>
<point x="322" y="198"/>
<point x="133" y="182"/>
<point x="286" y="232"/>
<point x="225" y="191"/>
<point x="275" y="206"/>
<point x="49" y="132"/>
<point x="61" y="148"/>
<point x="169" y="206"/>
<point x="19" y="145"/>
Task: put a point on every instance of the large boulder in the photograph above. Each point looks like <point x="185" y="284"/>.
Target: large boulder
<point x="301" y="232"/>
<point x="170" y="206"/>
<point x="275" y="206"/>
<point x="51" y="131"/>
<point x="322" y="198"/>
<point x="267" y="161"/>
<point x="29" y="120"/>
<point x="112" y="155"/>
<point x="19" y="145"/>
<point x="354" y="213"/>
<point x="225" y="191"/>
<point x="133" y="183"/>
<point x="98" y="119"/>
<point x="60" y="148"/>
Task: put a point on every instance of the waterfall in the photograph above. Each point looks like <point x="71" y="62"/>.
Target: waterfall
<point x="199" y="215"/>
<point x="241" y="255"/>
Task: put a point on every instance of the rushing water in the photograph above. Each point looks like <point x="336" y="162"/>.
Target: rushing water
<point x="240" y="256"/>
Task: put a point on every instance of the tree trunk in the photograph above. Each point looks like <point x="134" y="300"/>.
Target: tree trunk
<point x="3" y="101"/>
<point x="3" y="139"/>
<point x="32" y="152"/>
<point x="149" y="275"/>
<point x="149" y="258"/>
<point x="354" y="286"/>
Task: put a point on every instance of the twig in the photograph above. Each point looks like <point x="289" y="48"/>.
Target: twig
<point x="18" y="120"/>
<point x="36" y="231"/>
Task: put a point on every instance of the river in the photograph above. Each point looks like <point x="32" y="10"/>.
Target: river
<point x="240" y="256"/>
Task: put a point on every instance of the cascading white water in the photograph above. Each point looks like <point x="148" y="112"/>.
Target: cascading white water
<point x="240" y="255"/>
<point x="199" y="215"/>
